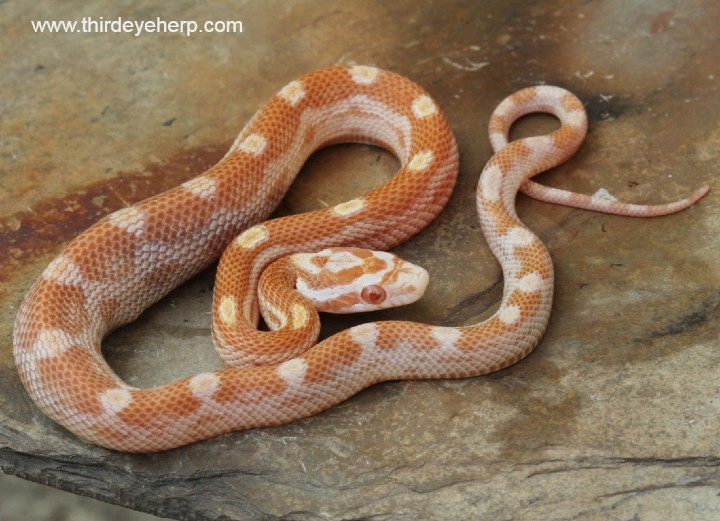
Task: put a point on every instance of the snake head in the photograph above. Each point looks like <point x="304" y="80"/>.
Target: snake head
<point x="352" y="280"/>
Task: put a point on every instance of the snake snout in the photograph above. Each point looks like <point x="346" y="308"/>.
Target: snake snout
<point x="411" y="283"/>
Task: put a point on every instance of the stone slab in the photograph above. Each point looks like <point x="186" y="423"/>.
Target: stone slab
<point x="615" y="415"/>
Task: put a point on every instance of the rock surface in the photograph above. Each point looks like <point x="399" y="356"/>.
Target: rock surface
<point x="615" y="414"/>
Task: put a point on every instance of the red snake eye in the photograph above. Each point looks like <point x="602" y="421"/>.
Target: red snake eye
<point x="373" y="294"/>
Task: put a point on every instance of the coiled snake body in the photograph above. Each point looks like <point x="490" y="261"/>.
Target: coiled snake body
<point x="117" y="268"/>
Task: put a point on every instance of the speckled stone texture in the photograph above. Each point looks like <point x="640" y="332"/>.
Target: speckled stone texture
<point x="615" y="415"/>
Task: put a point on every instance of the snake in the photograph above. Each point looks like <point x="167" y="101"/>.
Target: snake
<point x="132" y="257"/>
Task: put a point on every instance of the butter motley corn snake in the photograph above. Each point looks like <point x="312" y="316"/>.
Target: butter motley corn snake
<point x="113" y="271"/>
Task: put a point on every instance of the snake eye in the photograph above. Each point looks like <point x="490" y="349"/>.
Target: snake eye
<point x="373" y="295"/>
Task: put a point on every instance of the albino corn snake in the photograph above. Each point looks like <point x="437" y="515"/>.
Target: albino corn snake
<point x="130" y="259"/>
